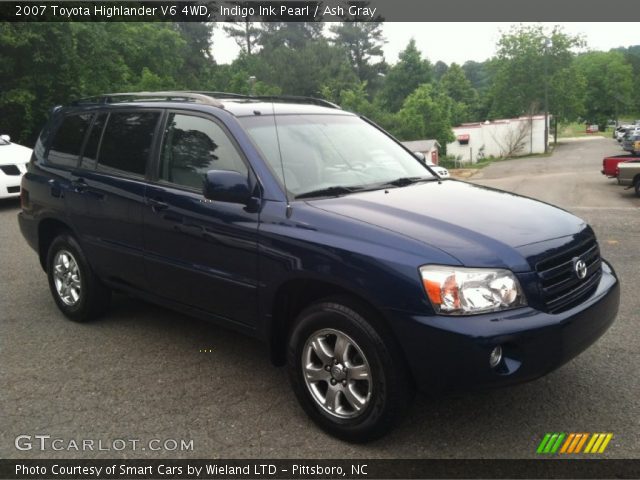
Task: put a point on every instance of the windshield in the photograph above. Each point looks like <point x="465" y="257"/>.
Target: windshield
<point x="3" y="141"/>
<point x="333" y="153"/>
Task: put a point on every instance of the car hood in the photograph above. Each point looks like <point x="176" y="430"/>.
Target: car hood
<point x="14" y="154"/>
<point x="477" y="225"/>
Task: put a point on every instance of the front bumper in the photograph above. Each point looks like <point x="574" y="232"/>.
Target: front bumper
<point x="452" y="353"/>
<point x="9" y="186"/>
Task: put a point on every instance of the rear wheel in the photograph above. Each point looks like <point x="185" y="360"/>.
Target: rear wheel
<point x="637" y="187"/>
<point x="351" y="381"/>
<point x="78" y="293"/>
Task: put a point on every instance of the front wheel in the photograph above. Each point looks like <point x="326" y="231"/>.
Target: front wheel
<point x="350" y="381"/>
<point x="637" y="187"/>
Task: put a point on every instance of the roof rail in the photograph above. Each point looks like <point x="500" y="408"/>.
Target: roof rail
<point x="298" y="99"/>
<point x="271" y="98"/>
<point x="195" y="97"/>
<point x="207" y="98"/>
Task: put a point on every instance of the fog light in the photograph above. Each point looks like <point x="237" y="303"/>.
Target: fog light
<point x="495" y="357"/>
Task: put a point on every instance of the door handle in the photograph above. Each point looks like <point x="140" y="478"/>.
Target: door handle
<point x="54" y="189"/>
<point x="79" y="185"/>
<point x="157" y="204"/>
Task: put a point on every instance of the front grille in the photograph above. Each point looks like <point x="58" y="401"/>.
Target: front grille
<point x="560" y="286"/>
<point x="10" y="169"/>
<point x="15" y="189"/>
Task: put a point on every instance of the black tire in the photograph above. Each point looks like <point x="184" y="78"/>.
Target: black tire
<point x="637" y="187"/>
<point x="391" y="389"/>
<point x="93" y="297"/>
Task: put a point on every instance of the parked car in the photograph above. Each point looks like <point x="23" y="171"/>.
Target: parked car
<point x="13" y="164"/>
<point x="615" y="131"/>
<point x="440" y="171"/>
<point x="631" y="143"/>
<point x="609" y="164"/>
<point x="629" y="174"/>
<point x="315" y="231"/>
<point x="624" y="131"/>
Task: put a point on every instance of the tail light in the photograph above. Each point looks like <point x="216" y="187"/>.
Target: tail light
<point x="617" y="171"/>
<point x="24" y="198"/>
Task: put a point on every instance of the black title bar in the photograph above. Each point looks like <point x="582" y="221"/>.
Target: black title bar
<point x="321" y="10"/>
<point x="307" y="469"/>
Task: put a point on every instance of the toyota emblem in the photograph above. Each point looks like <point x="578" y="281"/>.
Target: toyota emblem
<point x="581" y="269"/>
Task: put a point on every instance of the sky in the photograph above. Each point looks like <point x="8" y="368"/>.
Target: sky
<point x="459" y="42"/>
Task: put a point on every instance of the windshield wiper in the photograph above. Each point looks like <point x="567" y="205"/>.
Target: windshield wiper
<point x="334" y="191"/>
<point x="404" y="181"/>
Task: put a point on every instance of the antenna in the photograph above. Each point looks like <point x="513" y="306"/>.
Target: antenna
<point x="284" y="178"/>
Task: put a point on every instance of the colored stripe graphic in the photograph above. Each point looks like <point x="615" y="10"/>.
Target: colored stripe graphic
<point x="598" y="443"/>
<point x="543" y="443"/>
<point x="573" y="443"/>
<point x="582" y="442"/>
<point x="567" y="442"/>
<point x="550" y="443"/>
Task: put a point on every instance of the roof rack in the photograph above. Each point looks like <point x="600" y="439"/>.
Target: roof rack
<point x="151" y="97"/>
<point x="271" y="98"/>
<point x="299" y="99"/>
<point x="204" y="97"/>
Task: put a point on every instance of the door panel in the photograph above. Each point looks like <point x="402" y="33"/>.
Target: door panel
<point x="200" y="253"/>
<point x="112" y="185"/>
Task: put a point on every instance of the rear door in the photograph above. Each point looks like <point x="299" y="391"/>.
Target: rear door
<point x="111" y="179"/>
<point x="200" y="253"/>
<point x="61" y="161"/>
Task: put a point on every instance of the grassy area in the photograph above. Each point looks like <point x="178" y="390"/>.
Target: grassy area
<point x="567" y="130"/>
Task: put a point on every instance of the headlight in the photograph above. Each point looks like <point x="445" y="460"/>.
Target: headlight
<point x="467" y="291"/>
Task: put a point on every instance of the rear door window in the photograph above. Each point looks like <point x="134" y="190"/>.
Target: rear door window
<point x="127" y="141"/>
<point x="67" y="143"/>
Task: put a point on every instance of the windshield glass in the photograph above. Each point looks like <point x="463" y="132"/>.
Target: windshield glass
<point x="321" y="152"/>
<point x="3" y="141"/>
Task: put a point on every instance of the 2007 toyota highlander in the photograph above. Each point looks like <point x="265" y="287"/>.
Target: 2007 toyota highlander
<point x="314" y="230"/>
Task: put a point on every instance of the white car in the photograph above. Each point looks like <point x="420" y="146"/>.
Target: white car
<point x="441" y="171"/>
<point x="13" y="164"/>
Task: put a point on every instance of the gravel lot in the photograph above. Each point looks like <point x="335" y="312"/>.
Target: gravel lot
<point x="139" y="373"/>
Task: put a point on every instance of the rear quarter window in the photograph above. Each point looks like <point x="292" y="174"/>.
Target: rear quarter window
<point x="67" y="143"/>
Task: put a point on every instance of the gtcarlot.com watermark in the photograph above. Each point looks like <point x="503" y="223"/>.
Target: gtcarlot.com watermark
<point x="48" y="442"/>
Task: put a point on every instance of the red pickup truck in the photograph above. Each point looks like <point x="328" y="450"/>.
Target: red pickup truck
<point x="609" y="164"/>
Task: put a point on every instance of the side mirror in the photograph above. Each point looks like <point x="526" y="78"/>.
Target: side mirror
<point x="226" y="186"/>
<point x="420" y="156"/>
<point x="6" y="138"/>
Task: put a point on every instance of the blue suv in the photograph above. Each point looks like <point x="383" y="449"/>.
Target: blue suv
<point x="314" y="230"/>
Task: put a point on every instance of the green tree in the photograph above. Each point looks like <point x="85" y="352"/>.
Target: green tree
<point x="363" y="42"/>
<point x="355" y="99"/>
<point x="531" y="63"/>
<point x="479" y="74"/>
<point x="632" y="57"/>
<point x="197" y="61"/>
<point x="465" y="98"/>
<point x="245" y="33"/>
<point x="609" y="85"/>
<point x="405" y="76"/>
<point x="294" y="35"/>
<point x="439" y="69"/>
<point x="47" y="64"/>
<point x="426" y="114"/>
<point x="309" y="70"/>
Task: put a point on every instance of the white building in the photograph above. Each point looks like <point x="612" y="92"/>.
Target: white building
<point x="428" y="147"/>
<point x="500" y="138"/>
